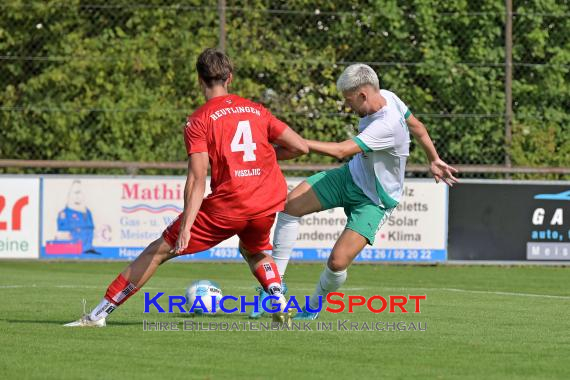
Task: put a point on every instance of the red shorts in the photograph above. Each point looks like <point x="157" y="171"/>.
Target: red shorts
<point x="209" y="230"/>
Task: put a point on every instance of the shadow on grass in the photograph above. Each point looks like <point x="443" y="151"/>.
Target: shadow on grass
<point x="208" y="317"/>
<point x="149" y="318"/>
<point x="61" y="323"/>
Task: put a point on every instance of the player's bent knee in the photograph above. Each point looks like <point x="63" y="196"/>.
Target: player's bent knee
<point x="293" y="210"/>
<point x="295" y="207"/>
<point x="337" y="264"/>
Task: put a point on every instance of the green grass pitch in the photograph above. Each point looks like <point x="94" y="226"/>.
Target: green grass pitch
<point x="482" y="322"/>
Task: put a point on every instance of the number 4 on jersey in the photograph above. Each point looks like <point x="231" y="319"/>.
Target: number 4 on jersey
<point x="248" y="146"/>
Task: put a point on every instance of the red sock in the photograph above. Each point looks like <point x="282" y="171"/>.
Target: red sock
<point x="268" y="276"/>
<point x="120" y="290"/>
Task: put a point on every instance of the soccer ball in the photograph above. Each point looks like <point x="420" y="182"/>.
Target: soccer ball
<point x="205" y="289"/>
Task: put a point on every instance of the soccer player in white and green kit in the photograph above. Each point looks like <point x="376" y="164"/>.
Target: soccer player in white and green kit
<point x="369" y="187"/>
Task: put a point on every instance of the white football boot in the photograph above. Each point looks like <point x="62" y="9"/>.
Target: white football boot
<point x="85" y="321"/>
<point x="282" y="317"/>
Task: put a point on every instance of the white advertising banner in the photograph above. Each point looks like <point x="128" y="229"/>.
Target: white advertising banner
<point x="19" y="217"/>
<point x="108" y="218"/>
<point x="415" y="231"/>
<point x="115" y="218"/>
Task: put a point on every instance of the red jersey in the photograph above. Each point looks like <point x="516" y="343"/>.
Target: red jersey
<point x="237" y="133"/>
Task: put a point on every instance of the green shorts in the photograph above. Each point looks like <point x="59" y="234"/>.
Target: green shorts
<point x="335" y="188"/>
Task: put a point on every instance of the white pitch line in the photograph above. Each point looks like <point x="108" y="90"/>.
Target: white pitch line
<point x="66" y="287"/>
<point x="250" y="288"/>
<point x="16" y="286"/>
<point x="455" y="290"/>
<point x="500" y="293"/>
<point x="506" y="293"/>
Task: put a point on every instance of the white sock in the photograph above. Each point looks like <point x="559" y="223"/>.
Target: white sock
<point x="329" y="282"/>
<point x="102" y="310"/>
<point x="285" y="237"/>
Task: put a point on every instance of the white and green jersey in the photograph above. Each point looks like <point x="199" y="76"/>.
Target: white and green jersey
<point x="385" y="142"/>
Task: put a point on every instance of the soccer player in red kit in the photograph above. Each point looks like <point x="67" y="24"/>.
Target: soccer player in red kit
<point x="235" y="136"/>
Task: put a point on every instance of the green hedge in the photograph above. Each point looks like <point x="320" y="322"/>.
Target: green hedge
<point x="119" y="80"/>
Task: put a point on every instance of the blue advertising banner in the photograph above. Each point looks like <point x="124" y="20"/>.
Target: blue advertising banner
<point x="304" y="254"/>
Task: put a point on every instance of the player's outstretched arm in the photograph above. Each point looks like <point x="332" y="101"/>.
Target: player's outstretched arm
<point x="290" y="145"/>
<point x="440" y="170"/>
<point x="339" y="150"/>
<point x="193" y="196"/>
